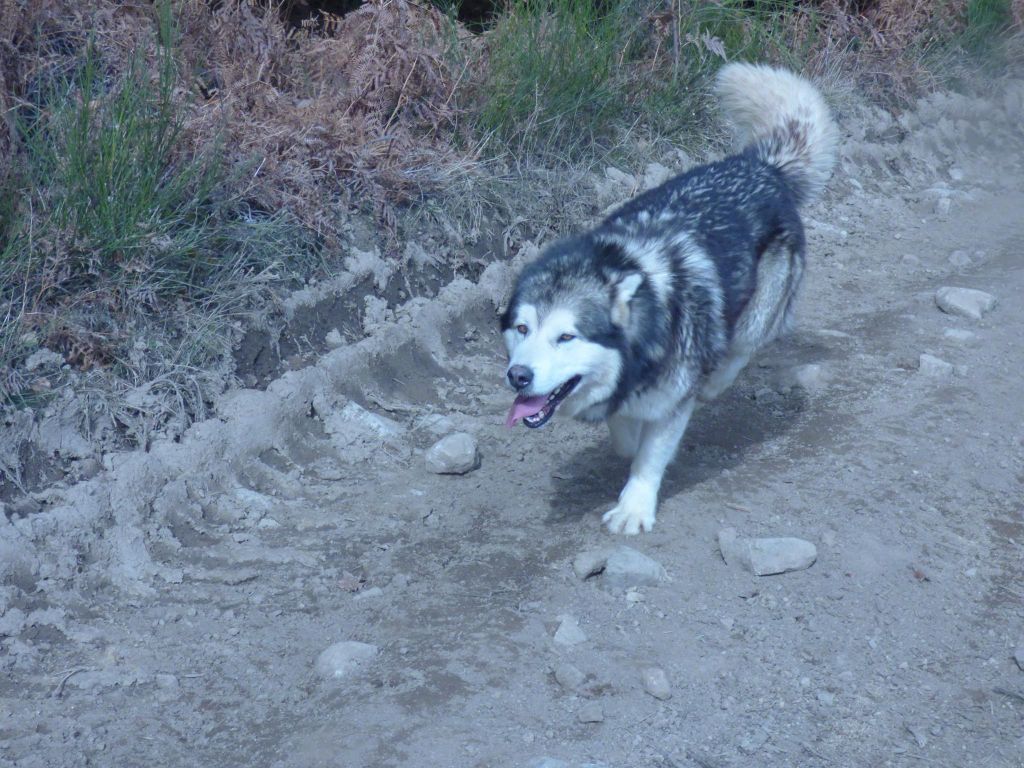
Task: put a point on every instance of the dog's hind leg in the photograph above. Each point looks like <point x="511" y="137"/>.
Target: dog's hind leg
<point x="638" y="501"/>
<point x="724" y="375"/>
<point x="625" y="434"/>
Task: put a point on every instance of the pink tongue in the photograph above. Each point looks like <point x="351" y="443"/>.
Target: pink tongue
<point x="524" y="406"/>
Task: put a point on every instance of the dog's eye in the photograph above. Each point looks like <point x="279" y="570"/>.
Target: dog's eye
<point x="566" y="337"/>
<point x="522" y="329"/>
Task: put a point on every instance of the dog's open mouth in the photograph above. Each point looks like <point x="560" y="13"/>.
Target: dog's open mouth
<point x="535" y="411"/>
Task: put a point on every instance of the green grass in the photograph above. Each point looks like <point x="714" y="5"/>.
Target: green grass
<point x="119" y="229"/>
<point x="552" y="71"/>
<point x="567" y="75"/>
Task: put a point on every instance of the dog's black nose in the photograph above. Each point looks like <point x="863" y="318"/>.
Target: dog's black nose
<point x="519" y="376"/>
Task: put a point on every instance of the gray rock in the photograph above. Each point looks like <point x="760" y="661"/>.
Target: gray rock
<point x="964" y="302"/>
<point x="366" y="594"/>
<point x="549" y="762"/>
<point x="569" y="632"/>
<point x="590" y="563"/>
<point x="568" y="676"/>
<point x="943" y="206"/>
<point x="826" y="698"/>
<point x="626" y="567"/>
<point x="934" y="367"/>
<point x="1018" y="657"/>
<point x="752" y="742"/>
<point x="810" y="377"/>
<point x="960" y="259"/>
<point x="334" y="338"/>
<point x="43" y="358"/>
<point x="167" y="682"/>
<point x="455" y="454"/>
<point x="766" y="557"/>
<point x="620" y="177"/>
<point x="621" y="567"/>
<point x="655" y="174"/>
<point x="591" y="712"/>
<point x="656" y="683"/>
<point x="344" y="658"/>
<point x="959" y="336"/>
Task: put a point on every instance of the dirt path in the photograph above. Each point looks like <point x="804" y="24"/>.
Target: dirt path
<point x="894" y="649"/>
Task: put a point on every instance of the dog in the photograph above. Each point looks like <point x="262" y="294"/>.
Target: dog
<point x="658" y="308"/>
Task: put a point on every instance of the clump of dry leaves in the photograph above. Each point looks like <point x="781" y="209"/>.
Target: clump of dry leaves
<point x="362" y="107"/>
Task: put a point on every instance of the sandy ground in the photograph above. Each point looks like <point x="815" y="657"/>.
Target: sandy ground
<point x="171" y="610"/>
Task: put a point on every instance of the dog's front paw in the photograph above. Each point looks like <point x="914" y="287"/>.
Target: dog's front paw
<point x="634" y="512"/>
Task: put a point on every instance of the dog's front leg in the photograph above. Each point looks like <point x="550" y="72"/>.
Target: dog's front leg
<point x="625" y="433"/>
<point x="638" y="501"/>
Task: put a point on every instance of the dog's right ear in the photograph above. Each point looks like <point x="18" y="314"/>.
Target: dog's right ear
<point x="625" y="287"/>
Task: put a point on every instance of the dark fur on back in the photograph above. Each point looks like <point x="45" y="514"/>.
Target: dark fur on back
<point x="731" y="210"/>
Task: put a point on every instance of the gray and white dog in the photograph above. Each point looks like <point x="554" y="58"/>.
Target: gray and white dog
<point x="662" y="304"/>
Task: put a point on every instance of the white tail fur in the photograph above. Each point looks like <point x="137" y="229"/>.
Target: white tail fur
<point x="785" y="117"/>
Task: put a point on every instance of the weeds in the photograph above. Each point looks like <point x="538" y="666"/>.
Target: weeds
<point x="116" y="226"/>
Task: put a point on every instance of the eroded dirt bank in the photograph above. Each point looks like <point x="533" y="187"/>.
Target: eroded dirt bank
<point x="171" y="610"/>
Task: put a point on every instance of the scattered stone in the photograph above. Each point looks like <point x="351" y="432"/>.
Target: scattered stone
<point x="568" y="676"/>
<point x="549" y="762"/>
<point x="455" y="454"/>
<point x="943" y="206"/>
<point x="960" y="259"/>
<point x="655" y="175"/>
<point x="918" y="733"/>
<point x="632" y="596"/>
<point x="753" y="742"/>
<point x="826" y="698"/>
<point x="656" y="683"/>
<point x="965" y="302"/>
<point x="344" y="658"/>
<point x="268" y="523"/>
<point x="620" y="177"/>
<point x="1018" y="657"/>
<point x="569" y="632"/>
<point x="766" y="557"/>
<point x="959" y="336"/>
<point x="591" y="712"/>
<point x="626" y="567"/>
<point x="810" y="377"/>
<point x="590" y="563"/>
<point x="167" y="682"/>
<point x="934" y="367"/>
<point x="43" y="358"/>
<point x="622" y="568"/>
<point x="334" y="338"/>
<point x="368" y="593"/>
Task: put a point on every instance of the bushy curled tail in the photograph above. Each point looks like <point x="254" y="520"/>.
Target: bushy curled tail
<point x="785" y="119"/>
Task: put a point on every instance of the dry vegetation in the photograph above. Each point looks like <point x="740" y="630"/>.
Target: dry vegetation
<point x="166" y="164"/>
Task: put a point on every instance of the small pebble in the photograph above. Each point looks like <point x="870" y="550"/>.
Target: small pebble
<point x="334" y="338"/>
<point x="934" y="367"/>
<point x="344" y="658"/>
<point x="591" y="712"/>
<point x="766" y="557"/>
<point x="960" y="259"/>
<point x="1018" y="657"/>
<point x="964" y="302"/>
<point x="826" y="698"/>
<point x="656" y="683"/>
<point x="569" y="632"/>
<point x="568" y="676"/>
<point x="959" y="336"/>
<point x="455" y="454"/>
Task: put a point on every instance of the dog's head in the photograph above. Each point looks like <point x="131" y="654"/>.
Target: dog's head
<point x="565" y="329"/>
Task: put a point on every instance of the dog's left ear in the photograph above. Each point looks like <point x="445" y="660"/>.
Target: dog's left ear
<point x="625" y="288"/>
